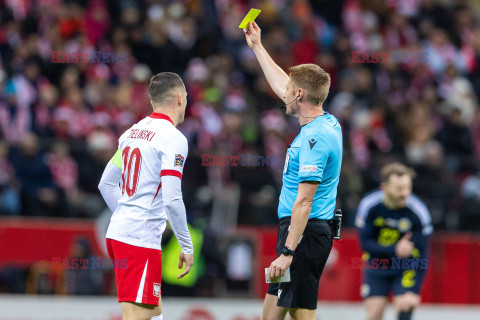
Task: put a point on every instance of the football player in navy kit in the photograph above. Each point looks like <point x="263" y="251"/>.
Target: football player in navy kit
<point x="394" y="227"/>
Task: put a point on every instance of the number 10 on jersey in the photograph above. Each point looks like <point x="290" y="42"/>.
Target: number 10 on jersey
<point x="129" y="177"/>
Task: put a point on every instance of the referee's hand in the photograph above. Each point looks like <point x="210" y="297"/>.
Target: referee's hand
<point x="253" y="35"/>
<point x="188" y="259"/>
<point x="279" y="266"/>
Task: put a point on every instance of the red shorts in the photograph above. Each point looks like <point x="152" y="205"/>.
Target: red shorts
<point x="138" y="272"/>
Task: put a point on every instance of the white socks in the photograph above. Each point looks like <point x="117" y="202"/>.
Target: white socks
<point x="160" y="317"/>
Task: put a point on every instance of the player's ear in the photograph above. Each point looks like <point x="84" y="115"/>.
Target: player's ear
<point x="179" y="99"/>
<point x="382" y="186"/>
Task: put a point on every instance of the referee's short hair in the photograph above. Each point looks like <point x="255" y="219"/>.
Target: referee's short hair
<point x="313" y="79"/>
<point x="397" y="169"/>
<point x="162" y="84"/>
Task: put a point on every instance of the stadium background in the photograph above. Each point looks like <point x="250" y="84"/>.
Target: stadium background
<point x="60" y="121"/>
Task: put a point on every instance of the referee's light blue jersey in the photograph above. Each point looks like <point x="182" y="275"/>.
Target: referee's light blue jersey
<point x="314" y="155"/>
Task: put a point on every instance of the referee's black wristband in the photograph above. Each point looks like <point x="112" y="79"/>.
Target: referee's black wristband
<point x="286" y="251"/>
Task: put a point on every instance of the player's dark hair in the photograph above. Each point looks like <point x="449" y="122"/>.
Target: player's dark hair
<point x="162" y="84"/>
<point x="397" y="169"/>
<point x="313" y="79"/>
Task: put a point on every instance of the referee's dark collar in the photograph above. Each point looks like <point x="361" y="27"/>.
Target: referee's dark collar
<point x="324" y="114"/>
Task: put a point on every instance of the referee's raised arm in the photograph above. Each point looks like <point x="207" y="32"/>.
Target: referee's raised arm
<point x="276" y="77"/>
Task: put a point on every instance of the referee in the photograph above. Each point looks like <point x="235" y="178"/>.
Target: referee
<point x="310" y="180"/>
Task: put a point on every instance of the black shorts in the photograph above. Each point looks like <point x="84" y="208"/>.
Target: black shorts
<point x="307" y="266"/>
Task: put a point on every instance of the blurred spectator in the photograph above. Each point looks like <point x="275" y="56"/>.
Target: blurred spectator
<point x="97" y="21"/>
<point x="470" y="215"/>
<point x="457" y="141"/>
<point x="399" y="33"/>
<point x="44" y="110"/>
<point x="39" y="195"/>
<point x="64" y="171"/>
<point x="274" y="129"/>
<point x="441" y="52"/>
<point x="64" y="168"/>
<point x="9" y="193"/>
<point x="14" y="117"/>
<point x="458" y="92"/>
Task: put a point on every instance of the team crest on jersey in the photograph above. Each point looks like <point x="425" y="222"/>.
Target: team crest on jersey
<point x="156" y="289"/>
<point x="404" y="225"/>
<point x="179" y="160"/>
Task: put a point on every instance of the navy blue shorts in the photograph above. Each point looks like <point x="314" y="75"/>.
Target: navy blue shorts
<point x="379" y="282"/>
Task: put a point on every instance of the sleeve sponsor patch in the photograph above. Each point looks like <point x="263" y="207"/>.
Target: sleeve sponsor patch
<point x="179" y="159"/>
<point x="308" y="168"/>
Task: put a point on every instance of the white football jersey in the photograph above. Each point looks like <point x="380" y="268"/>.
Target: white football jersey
<point x="151" y="148"/>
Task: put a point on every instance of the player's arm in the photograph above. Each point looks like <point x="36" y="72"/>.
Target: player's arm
<point x="276" y="77"/>
<point x="420" y="253"/>
<point x="423" y="230"/>
<point x="420" y="245"/>
<point x="109" y="185"/>
<point x="173" y="159"/>
<point x="300" y="212"/>
<point x="420" y="239"/>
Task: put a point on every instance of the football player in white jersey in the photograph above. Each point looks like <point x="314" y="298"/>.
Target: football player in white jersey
<point x="142" y="186"/>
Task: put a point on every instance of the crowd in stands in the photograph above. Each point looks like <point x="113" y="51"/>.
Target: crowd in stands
<point x="61" y="115"/>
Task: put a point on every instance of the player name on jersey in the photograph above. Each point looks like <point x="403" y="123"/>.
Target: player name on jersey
<point x="141" y="134"/>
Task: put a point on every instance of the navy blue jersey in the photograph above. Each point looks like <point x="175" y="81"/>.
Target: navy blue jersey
<point x="381" y="228"/>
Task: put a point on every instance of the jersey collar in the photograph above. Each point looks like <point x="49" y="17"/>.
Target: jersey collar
<point x="158" y="115"/>
<point x="317" y="117"/>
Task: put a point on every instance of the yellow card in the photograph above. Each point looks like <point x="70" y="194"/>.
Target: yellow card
<point x="251" y="15"/>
